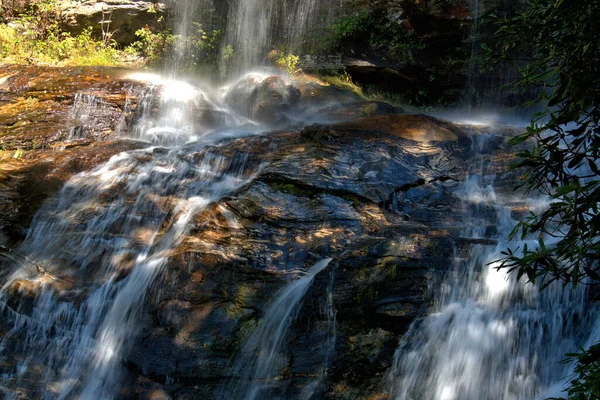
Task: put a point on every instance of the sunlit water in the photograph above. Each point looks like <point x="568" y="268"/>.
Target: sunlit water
<point x="490" y="337"/>
<point x="98" y="246"/>
<point x="261" y="358"/>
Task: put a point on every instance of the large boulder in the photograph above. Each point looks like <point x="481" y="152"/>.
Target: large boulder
<point x="263" y="99"/>
<point x="324" y="192"/>
<point x="375" y="194"/>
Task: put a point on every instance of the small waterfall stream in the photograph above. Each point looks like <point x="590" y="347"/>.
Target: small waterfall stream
<point x="255" y="27"/>
<point x="489" y="336"/>
<point x="261" y="359"/>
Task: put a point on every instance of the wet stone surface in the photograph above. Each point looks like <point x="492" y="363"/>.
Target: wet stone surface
<point x="375" y="193"/>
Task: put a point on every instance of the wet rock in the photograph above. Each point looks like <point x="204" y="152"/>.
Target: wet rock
<point x="418" y="128"/>
<point x="26" y="183"/>
<point x="262" y="99"/>
<point x="377" y="194"/>
<point x="359" y="109"/>
<point x="42" y="107"/>
<point x="317" y="93"/>
<point x="54" y="123"/>
<point x="193" y="343"/>
<point x="320" y="195"/>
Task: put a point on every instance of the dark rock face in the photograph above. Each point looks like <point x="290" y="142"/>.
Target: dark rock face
<point x="376" y="194"/>
<point x="322" y="193"/>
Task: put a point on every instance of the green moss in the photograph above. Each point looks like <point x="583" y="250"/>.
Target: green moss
<point x="353" y="199"/>
<point x="292" y="189"/>
<point x="244" y="294"/>
<point x="246" y="329"/>
<point x="344" y="81"/>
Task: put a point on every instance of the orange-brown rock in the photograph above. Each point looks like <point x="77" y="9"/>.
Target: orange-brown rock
<point x="416" y="127"/>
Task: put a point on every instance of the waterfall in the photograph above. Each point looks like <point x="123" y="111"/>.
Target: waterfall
<point x="311" y="390"/>
<point x="491" y="90"/>
<point x="261" y="358"/>
<point x="489" y="336"/>
<point x="95" y="249"/>
<point x="255" y="27"/>
<point x="184" y="13"/>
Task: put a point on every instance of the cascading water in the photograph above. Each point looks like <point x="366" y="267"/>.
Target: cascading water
<point x="489" y="336"/>
<point x="311" y="391"/>
<point x="84" y="108"/>
<point x="95" y="250"/>
<point x="261" y="359"/>
<point x="101" y="243"/>
<point x="255" y="27"/>
<point x="492" y="90"/>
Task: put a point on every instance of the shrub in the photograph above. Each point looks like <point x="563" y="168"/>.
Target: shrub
<point x="288" y="63"/>
<point x="35" y="38"/>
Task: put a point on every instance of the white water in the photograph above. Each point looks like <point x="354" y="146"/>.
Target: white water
<point x="105" y="239"/>
<point x="261" y="358"/>
<point x="102" y="242"/>
<point x="490" y="337"/>
<point x="312" y="390"/>
<point x="255" y="27"/>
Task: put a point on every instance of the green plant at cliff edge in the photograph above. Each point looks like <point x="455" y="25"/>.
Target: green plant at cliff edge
<point x="35" y="37"/>
<point x="287" y="62"/>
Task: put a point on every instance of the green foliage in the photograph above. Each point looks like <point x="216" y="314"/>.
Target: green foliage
<point x="343" y="80"/>
<point x="559" y="43"/>
<point x="204" y="47"/>
<point x="200" y="48"/>
<point x="23" y="45"/>
<point x="153" y="46"/>
<point x="354" y="29"/>
<point x="586" y="383"/>
<point x="35" y="38"/>
<point x="288" y="63"/>
<point x="372" y="33"/>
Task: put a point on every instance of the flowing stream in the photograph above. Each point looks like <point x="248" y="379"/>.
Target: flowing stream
<point x="261" y="359"/>
<point x="96" y="248"/>
<point x="489" y="336"/>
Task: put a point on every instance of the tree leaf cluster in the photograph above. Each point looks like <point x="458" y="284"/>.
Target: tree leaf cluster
<point x="556" y="46"/>
<point x="559" y="41"/>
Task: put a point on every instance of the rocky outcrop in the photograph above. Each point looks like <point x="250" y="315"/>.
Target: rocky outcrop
<point x="264" y="99"/>
<point x="377" y="194"/>
<point x="56" y="122"/>
<point x="119" y="19"/>
<point x="324" y="192"/>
